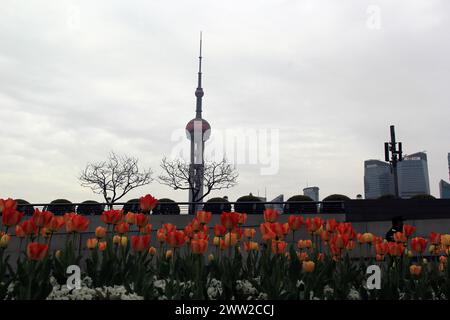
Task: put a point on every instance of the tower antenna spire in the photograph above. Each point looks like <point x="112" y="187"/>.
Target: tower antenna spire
<point x="199" y="91"/>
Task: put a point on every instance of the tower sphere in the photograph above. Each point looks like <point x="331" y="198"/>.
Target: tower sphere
<point x="204" y="125"/>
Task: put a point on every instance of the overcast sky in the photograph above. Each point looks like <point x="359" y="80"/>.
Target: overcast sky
<point x="81" y="78"/>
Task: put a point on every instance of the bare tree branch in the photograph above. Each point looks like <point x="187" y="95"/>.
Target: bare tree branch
<point x="216" y="176"/>
<point x="115" y="177"/>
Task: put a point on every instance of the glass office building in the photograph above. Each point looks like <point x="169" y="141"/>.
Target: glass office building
<point x="413" y="176"/>
<point x="378" y="179"/>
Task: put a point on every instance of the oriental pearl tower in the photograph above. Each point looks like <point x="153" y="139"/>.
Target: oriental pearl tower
<point x="198" y="131"/>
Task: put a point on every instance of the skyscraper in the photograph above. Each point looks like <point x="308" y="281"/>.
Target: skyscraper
<point x="198" y="131"/>
<point x="378" y="179"/>
<point x="444" y="187"/>
<point x="413" y="175"/>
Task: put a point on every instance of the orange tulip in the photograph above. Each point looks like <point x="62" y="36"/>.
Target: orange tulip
<point x="100" y="232"/>
<point x="200" y="236"/>
<point x="231" y="239"/>
<point x="199" y="246"/>
<point x="36" y="251"/>
<point x="242" y="218"/>
<point x="271" y="215"/>
<point x="331" y="225"/>
<point x="325" y="236"/>
<point x="91" y="243"/>
<point x="303" y="244"/>
<point x="251" y="246"/>
<point x="308" y="266"/>
<point x="152" y="251"/>
<point x="169" y="254"/>
<point x="130" y="218"/>
<point x="445" y="240"/>
<point x="249" y="233"/>
<point x="10" y="216"/>
<point x="169" y="227"/>
<point x="382" y="248"/>
<point x="116" y="239"/>
<point x="140" y="243"/>
<point x="161" y="235"/>
<point x="147" y="202"/>
<point x="204" y="216"/>
<point x="367" y="238"/>
<point x="4" y="240"/>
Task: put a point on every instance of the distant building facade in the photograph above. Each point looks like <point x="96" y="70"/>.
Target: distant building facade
<point x="312" y="192"/>
<point x="413" y="176"/>
<point x="444" y="189"/>
<point x="378" y="179"/>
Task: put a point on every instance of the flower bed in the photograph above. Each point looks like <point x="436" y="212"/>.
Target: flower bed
<point x="223" y="261"/>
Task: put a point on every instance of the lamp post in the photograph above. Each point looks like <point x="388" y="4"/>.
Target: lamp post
<point x="394" y="158"/>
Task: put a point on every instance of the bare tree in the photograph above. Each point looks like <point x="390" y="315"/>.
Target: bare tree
<point x="216" y="176"/>
<point x="115" y="177"/>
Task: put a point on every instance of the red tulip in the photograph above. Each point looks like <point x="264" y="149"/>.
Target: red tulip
<point x="11" y="216"/>
<point x="435" y="238"/>
<point x="382" y="248"/>
<point x="55" y="223"/>
<point x="219" y="230"/>
<point x="229" y="219"/>
<point x="295" y="222"/>
<point x="271" y="215"/>
<point x="331" y="225"/>
<point x="396" y="249"/>
<point x="279" y="246"/>
<point x="77" y="223"/>
<point x="42" y="218"/>
<point x="7" y="204"/>
<point x="122" y="228"/>
<point x="199" y="246"/>
<point x="141" y="219"/>
<point x="175" y="238"/>
<point x="313" y="224"/>
<point x="112" y="216"/>
<point x="169" y="227"/>
<point x="147" y="229"/>
<point x="29" y="227"/>
<point x="418" y="244"/>
<point x="148" y="203"/>
<point x="19" y="232"/>
<point x="267" y="232"/>
<point x="140" y="243"/>
<point x="36" y="251"/>
<point x="400" y="237"/>
<point x="408" y="230"/>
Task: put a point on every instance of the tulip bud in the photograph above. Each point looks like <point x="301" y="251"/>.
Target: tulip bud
<point x="116" y="239"/>
<point x="432" y="248"/>
<point x="58" y="254"/>
<point x="425" y="261"/>
<point x="91" y="243"/>
<point x="152" y="251"/>
<point x="102" y="245"/>
<point x="216" y="241"/>
<point x="123" y="241"/>
<point x="410" y="254"/>
<point x="211" y="257"/>
<point x="100" y="232"/>
<point x="308" y="266"/>
<point x="4" y="240"/>
<point x="169" y="254"/>
<point x="415" y="270"/>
